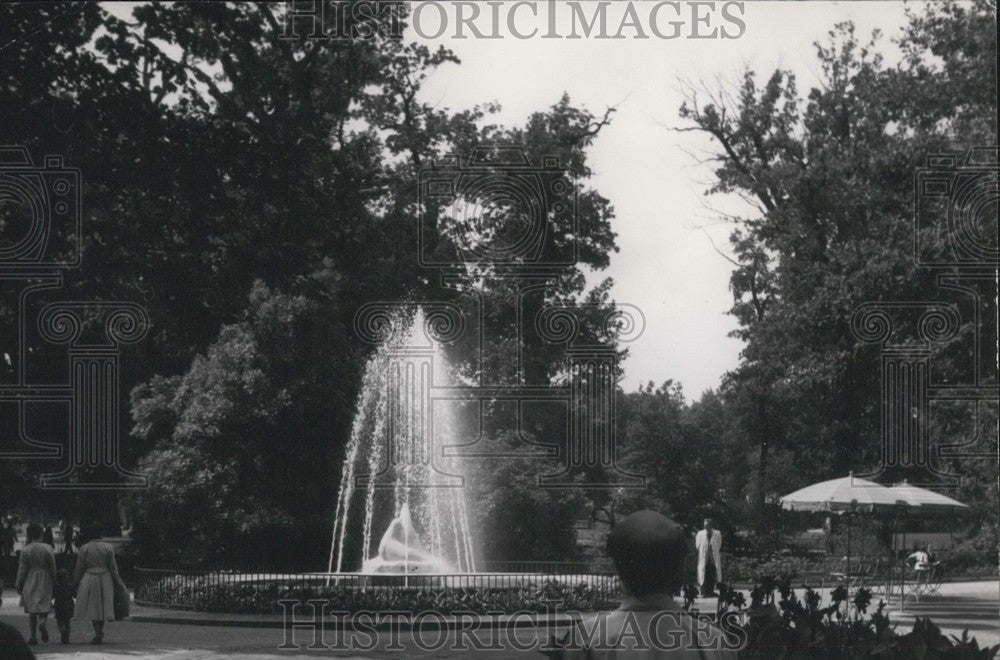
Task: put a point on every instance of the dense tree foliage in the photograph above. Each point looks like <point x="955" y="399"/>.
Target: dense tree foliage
<point x="517" y="520"/>
<point x="252" y="192"/>
<point x="831" y="174"/>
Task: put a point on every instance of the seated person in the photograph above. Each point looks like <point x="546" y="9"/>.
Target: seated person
<point x="923" y="564"/>
<point x="648" y="552"/>
<point x="922" y="559"/>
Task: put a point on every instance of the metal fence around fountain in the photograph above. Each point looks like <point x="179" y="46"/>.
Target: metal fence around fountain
<point x="548" y="567"/>
<point x="271" y="593"/>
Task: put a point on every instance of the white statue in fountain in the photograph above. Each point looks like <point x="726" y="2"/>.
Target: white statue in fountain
<point x="401" y="552"/>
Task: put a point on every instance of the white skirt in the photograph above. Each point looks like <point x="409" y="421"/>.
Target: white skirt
<point x="95" y="598"/>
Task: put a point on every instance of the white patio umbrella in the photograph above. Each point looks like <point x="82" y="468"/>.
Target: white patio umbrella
<point x="925" y="500"/>
<point x="842" y="494"/>
<point x="848" y="494"/>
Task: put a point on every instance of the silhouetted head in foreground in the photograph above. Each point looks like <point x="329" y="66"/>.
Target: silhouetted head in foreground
<point x="12" y="644"/>
<point x="648" y="551"/>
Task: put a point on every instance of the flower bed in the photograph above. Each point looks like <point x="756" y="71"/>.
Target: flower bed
<point x="218" y="592"/>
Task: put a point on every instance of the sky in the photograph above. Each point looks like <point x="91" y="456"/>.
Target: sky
<point x="666" y="226"/>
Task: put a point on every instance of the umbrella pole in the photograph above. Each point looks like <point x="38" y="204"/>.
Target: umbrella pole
<point x="893" y="554"/>
<point x="847" y="567"/>
<point x="890" y="566"/>
<point x="863" y="529"/>
<point x="902" y="571"/>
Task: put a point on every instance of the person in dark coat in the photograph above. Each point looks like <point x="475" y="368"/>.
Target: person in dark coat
<point x="7" y="539"/>
<point x="63" y="603"/>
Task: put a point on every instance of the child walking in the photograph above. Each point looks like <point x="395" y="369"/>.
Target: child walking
<point x="63" y="592"/>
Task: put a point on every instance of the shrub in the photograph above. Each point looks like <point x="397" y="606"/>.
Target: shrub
<point x="752" y="570"/>
<point x="805" y="628"/>
<point x="778" y="624"/>
<point x="976" y="556"/>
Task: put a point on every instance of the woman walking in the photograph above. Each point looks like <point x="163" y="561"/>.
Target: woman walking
<point x="96" y="578"/>
<point x="36" y="573"/>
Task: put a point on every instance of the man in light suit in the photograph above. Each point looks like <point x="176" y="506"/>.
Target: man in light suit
<point x="708" y="541"/>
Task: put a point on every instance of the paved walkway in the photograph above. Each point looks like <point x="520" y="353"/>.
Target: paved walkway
<point x="972" y="606"/>
<point x="969" y="605"/>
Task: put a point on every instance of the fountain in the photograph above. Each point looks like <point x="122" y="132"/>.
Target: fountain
<point x="395" y="482"/>
<point x="393" y="473"/>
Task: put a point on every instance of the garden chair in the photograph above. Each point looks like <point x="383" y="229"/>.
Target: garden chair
<point x="927" y="582"/>
<point x="882" y="578"/>
<point x="862" y="571"/>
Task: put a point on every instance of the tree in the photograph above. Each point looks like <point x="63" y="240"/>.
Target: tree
<point x="830" y="175"/>
<point x="675" y="448"/>
<point x="237" y="449"/>
<point x="219" y="159"/>
<point x="514" y="519"/>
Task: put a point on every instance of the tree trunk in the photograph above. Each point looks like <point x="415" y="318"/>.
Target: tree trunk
<point x="762" y="444"/>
